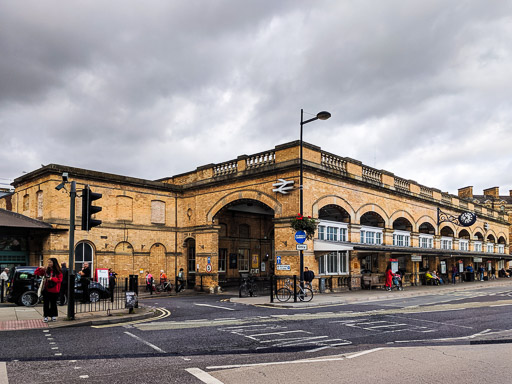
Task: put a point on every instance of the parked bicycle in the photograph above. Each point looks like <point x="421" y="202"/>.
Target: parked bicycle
<point x="248" y="288"/>
<point x="303" y="293"/>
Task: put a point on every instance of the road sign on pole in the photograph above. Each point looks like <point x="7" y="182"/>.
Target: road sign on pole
<point x="302" y="247"/>
<point x="300" y="237"/>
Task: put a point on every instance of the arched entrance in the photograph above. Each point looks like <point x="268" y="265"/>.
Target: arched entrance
<point x="246" y="240"/>
<point x="191" y="262"/>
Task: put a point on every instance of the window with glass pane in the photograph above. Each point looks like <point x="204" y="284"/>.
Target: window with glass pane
<point x="478" y="247"/>
<point x="343" y="262"/>
<point x="370" y="237"/>
<point x="321" y="265"/>
<point x="223" y="255"/>
<point x="332" y="234"/>
<point x="332" y="262"/>
<point x="490" y="248"/>
<point x="83" y="254"/>
<point x="321" y="232"/>
<point x="501" y="248"/>
<point x="378" y="238"/>
<point x="243" y="260"/>
<point x="343" y="234"/>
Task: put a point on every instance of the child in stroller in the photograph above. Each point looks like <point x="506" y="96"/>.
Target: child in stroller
<point x="397" y="282"/>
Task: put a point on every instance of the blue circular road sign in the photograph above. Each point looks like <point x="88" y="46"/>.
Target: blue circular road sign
<point x="300" y="237"/>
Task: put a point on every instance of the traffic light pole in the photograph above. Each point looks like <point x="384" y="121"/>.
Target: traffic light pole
<point x="71" y="285"/>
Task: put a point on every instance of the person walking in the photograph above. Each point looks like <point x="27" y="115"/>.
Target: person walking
<point x="4" y="278"/>
<point x="455" y="272"/>
<point x="163" y="277"/>
<point x="308" y="277"/>
<point x="149" y="282"/>
<point x="85" y="275"/>
<point x="111" y="283"/>
<point x="389" y="278"/>
<point x="181" y="281"/>
<point x="64" y="286"/>
<point x="52" y="281"/>
<point x="493" y="272"/>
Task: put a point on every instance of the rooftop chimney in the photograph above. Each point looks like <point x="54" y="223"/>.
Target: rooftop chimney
<point x="494" y="192"/>
<point x="467" y="192"/>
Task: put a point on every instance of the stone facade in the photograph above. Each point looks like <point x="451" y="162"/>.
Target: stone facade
<point x="225" y="219"/>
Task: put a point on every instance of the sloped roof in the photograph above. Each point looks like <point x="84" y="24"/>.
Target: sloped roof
<point x="12" y="219"/>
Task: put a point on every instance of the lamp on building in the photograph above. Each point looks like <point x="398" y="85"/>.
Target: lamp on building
<point x="319" y="116"/>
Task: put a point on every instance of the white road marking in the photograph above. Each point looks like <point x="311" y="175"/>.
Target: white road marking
<point x="3" y="373"/>
<point x="203" y="376"/>
<point x="363" y="353"/>
<point x="84" y="377"/>
<point x="215" y="306"/>
<point x="500" y="305"/>
<point x="145" y="342"/>
<point x="280" y="333"/>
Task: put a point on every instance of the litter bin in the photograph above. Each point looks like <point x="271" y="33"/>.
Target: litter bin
<point x="322" y="285"/>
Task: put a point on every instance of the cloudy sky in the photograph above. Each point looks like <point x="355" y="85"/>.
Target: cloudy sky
<point x="154" y="89"/>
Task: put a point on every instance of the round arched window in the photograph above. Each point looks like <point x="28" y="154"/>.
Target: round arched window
<point x="84" y="254"/>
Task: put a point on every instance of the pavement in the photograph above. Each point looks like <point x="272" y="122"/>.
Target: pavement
<point x="349" y="297"/>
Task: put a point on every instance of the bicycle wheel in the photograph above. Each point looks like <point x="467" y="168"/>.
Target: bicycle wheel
<point x="306" y="295"/>
<point x="244" y="290"/>
<point x="254" y="290"/>
<point x="283" y="294"/>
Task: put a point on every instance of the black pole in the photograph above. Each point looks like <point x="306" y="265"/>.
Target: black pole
<point x="301" y="257"/>
<point x="71" y="285"/>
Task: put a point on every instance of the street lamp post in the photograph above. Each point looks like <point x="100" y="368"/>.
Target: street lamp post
<point x="319" y="116"/>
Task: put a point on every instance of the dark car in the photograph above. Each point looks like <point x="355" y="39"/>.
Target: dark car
<point x="23" y="286"/>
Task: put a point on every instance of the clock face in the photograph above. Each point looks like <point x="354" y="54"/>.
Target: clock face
<point x="467" y="218"/>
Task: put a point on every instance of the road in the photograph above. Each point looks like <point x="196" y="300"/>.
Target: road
<point x="198" y="338"/>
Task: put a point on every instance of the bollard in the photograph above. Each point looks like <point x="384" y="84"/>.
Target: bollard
<point x="71" y="300"/>
<point x="271" y="288"/>
<point x="294" y="288"/>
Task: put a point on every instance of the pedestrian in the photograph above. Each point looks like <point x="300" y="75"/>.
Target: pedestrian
<point x="181" y="281"/>
<point x="308" y="277"/>
<point x="481" y="272"/>
<point x="389" y="278"/>
<point x="64" y="286"/>
<point x="52" y="279"/>
<point x="111" y="283"/>
<point x="85" y="275"/>
<point x="163" y="277"/>
<point x="493" y="272"/>
<point x="4" y="278"/>
<point x="455" y="272"/>
<point x="149" y="282"/>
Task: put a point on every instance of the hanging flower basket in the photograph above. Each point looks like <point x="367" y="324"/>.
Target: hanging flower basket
<point x="306" y="224"/>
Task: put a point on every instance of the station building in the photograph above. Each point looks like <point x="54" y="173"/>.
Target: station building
<point x="223" y="220"/>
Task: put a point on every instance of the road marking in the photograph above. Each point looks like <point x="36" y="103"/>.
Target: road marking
<point x="364" y="353"/>
<point x="84" y="376"/>
<point x="203" y="376"/>
<point x="165" y="313"/>
<point x="145" y="342"/>
<point x="3" y="373"/>
<point x="215" y="306"/>
<point x="500" y="305"/>
<point x="280" y="333"/>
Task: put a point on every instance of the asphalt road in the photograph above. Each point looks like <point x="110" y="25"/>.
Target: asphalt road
<point x="206" y="331"/>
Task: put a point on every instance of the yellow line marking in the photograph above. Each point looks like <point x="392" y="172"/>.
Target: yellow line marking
<point x="165" y="313"/>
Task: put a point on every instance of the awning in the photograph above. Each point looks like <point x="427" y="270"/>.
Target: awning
<point x="330" y="246"/>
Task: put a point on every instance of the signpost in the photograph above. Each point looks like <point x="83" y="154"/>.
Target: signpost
<point x="302" y="247"/>
<point x="283" y="267"/>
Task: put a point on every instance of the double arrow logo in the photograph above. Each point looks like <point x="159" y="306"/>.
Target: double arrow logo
<point x="283" y="186"/>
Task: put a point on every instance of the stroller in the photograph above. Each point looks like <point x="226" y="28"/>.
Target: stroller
<point x="397" y="282"/>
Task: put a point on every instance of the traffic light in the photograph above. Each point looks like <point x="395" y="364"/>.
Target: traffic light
<point x="88" y="210"/>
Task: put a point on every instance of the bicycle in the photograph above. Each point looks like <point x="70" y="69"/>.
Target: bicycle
<point x="248" y="288"/>
<point x="164" y="286"/>
<point x="303" y="293"/>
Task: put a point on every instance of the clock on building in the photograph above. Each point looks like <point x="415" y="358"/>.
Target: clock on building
<point x="467" y="219"/>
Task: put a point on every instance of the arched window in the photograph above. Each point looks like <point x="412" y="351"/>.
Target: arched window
<point x="84" y="254"/>
<point x="426" y="235"/>
<point x="333" y="212"/>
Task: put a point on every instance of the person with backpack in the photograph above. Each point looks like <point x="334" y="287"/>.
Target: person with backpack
<point x="308" y="277"/>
